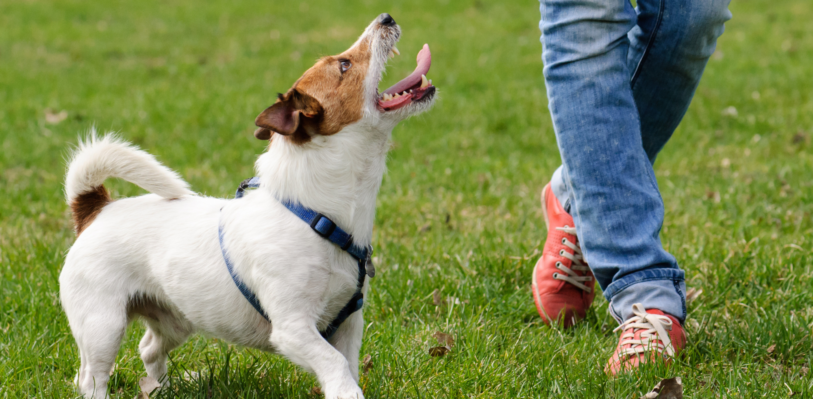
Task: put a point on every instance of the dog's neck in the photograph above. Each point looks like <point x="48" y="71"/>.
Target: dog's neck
<point x="338" y="175"/>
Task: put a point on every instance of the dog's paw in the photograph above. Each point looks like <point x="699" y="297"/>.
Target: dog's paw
<point x="345" y="392"/>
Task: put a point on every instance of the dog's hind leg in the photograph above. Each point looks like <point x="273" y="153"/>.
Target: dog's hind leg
<point x="98" y="334"/>
<point x="347" y="340"/>
<point x="154" y="348"/>
<point x="165" y="332"/>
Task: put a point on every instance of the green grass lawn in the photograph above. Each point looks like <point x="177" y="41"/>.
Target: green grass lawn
<point x="458" y="210"/>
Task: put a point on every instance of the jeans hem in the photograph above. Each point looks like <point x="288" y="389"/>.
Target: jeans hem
<point x="675" y="275"/>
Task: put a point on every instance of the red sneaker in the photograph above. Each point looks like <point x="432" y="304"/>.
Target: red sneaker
<point x="648" y="336"/>
<point x="563" y="285"/>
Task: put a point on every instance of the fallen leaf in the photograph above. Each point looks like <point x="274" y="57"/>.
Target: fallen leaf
<point x="444" y="339"/>
<point x="425" y="228"/>
<point x="54" y="117"/>
<point x="366" y="364"/>
<point x="670" y="388"/>
<point x="692" y="294"/>
<point x="147" y="385"/>
<point x="771" y="348"/>
<point x="439" y="351"/>
<point x="316" y="391"/>
<point x="799" y="138"/>
<point x="805" y="370"/>
<point x="437" y="299"/>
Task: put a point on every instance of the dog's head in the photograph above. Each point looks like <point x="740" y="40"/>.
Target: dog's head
<point x="343" y="89"/>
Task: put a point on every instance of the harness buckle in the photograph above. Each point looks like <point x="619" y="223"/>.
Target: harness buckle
<point x="315" y="225"/>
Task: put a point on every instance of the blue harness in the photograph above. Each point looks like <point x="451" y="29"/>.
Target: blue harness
<point x="327" y="230"/>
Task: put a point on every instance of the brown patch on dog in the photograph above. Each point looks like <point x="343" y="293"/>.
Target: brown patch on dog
<point x="328" y="97"/>
<point x="86" y="206"/>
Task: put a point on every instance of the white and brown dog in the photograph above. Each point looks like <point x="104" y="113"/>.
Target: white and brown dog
<point x="159" y="257"/>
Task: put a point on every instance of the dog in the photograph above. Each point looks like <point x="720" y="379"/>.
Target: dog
<point x="177" y="260"/>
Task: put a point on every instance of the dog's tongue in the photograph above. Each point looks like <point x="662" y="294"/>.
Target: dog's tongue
<point x="414" y="79"/>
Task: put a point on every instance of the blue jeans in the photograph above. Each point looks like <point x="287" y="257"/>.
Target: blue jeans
<point x="619" y="80"/>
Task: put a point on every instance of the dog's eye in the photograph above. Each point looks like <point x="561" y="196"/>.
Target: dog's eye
<point x="344" y="65"/>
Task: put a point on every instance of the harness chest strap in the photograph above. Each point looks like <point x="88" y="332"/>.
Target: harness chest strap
<point x="328" y="230"/>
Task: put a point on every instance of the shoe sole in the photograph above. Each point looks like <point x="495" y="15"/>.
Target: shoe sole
<point x="534" y="287"/>
<point x="538" y="300"/>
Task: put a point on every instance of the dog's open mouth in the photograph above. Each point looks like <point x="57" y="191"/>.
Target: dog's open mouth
<point x="413" y="88"/>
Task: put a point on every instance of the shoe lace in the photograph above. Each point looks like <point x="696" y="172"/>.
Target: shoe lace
<point x="653" y="337"/>
<point x="576" y="262"/>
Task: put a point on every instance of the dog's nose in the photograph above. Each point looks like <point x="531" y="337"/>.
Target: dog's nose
<point x="386" y="20"/>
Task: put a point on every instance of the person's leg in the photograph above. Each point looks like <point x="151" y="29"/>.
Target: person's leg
<point x="611" y="188"/>
<point x="669" y="48"/>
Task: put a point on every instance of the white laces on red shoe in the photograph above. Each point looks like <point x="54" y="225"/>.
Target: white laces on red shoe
<point x="654" y="337"/>
<point x="576" y="262"/>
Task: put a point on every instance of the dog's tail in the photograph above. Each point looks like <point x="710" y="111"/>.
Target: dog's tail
<point x="96" y="159"/>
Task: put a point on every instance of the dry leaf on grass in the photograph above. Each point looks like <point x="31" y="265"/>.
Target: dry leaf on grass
<point x="437" y="299"/>
<point x="671" y="388"/>
<point x="316" y="391"/>
<point x="439" y="351"/>
<point x="446" y="342"/>
<point x="771" y="348"/>
<point x="444" y="339"/>
<point x="54" y="117"/>
<point x="147" y="385"/>
<point x="366" y="363"/>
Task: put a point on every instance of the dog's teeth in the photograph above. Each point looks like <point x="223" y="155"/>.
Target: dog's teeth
<point x="391" y="54"/>
<point x="385" y="97"/>
<point x="395" y="50"/>
<point x="396" y="95"/>
<point x="424" y="81"/>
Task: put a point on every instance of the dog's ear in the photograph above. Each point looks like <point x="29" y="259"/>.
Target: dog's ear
<point x="292" y="112"/>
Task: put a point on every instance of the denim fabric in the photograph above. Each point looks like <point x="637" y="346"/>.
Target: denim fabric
<point x="619" y="80"/>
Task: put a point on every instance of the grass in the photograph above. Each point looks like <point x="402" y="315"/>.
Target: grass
<point x="458" y="211"/>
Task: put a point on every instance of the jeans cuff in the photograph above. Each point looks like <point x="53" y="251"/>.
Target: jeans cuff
<point x="559" y="188"/>
<point x="662" y="289"/>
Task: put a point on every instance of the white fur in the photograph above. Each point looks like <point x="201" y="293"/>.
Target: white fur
<point x="97" y="159"/>
<point x="158" y="256"/>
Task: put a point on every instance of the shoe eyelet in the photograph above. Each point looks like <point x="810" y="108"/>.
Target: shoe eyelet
<point x="564" y="240"/>
<point x="561" y="252"/>
<point x="555" y="275"/>
<point x="558" y="264"/>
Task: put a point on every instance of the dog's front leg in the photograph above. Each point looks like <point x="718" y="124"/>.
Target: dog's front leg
<point x="347" y="340"/>
<point x="296" y="337"/>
